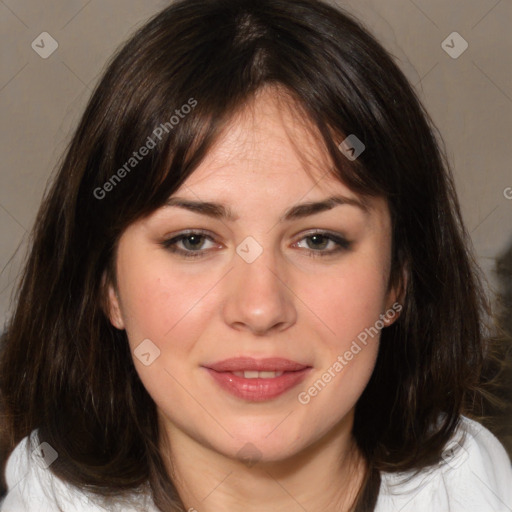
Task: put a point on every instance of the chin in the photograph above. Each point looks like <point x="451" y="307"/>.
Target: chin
<point x="261" y="444"/>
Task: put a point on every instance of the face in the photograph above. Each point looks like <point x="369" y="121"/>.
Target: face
<point x="242" y="325"/>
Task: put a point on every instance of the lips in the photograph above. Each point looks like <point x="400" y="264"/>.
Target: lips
<point x="257" y="380"/>
<point x="240" y="364"/>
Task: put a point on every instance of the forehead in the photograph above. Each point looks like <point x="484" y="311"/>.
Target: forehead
<point x="269" y="141"/>
<point x="268" y="158"/>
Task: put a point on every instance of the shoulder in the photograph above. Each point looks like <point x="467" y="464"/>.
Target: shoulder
<point x="32" y="487"/>
<point x="475" y="475"/>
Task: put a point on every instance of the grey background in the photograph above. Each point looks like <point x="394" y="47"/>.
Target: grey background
<point x="469" y="99"/>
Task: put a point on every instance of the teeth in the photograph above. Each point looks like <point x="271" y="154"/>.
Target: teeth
<point x="258" y="375"/>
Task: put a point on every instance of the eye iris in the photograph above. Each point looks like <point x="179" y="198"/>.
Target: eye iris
<point x="194" y="241"/>
<point x="315" y="238"/>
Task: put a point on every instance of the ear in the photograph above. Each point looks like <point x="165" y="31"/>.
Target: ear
<point x="396" y="298"/>
<point x="112" y="304"/>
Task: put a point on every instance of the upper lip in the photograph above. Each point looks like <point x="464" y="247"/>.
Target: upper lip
<point x="276" y="364"/>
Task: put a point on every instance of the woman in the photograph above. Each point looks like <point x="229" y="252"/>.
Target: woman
<point x="249" y="286"/>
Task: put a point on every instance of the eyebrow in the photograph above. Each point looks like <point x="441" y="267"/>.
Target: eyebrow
<point x="298" y="211"/>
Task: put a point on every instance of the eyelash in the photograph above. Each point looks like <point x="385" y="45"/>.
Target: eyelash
<point x="170" y="244"/>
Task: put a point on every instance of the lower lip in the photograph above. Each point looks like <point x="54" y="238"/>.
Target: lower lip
<point x="258" y="390"/>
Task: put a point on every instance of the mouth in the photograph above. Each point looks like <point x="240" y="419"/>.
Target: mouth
<point x="257" y="380"/>
<point x="248" y="374"/>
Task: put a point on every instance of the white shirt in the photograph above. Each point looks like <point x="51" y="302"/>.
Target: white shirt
<point x="474" y="476"/>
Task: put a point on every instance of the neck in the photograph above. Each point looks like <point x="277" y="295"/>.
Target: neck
<point x="326" y="476"/>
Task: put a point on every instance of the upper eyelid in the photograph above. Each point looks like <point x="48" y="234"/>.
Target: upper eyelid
<point x="184" y="234"/>
<point x="208" y="234"/>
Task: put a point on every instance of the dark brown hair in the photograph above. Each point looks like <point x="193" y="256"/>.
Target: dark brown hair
<point x="65" y="370"/>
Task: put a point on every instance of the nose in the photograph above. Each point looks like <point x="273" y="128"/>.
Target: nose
<point x="258" y="299"/>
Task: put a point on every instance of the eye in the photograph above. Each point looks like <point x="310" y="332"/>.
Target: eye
<point x="196" y="244"/>
<point x="192" y="244"/>
<point x="318" y="241"/>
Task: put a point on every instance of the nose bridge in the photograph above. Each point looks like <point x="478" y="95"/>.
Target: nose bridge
<point x="258" y="299"/>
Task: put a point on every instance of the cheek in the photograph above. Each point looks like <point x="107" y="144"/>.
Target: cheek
<point x="154" y="298"/>
<point x="349" y="307"/>
<point x="171" y="309"/>
<point x="148" y="306"/>
<point x="350" y="301"/>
